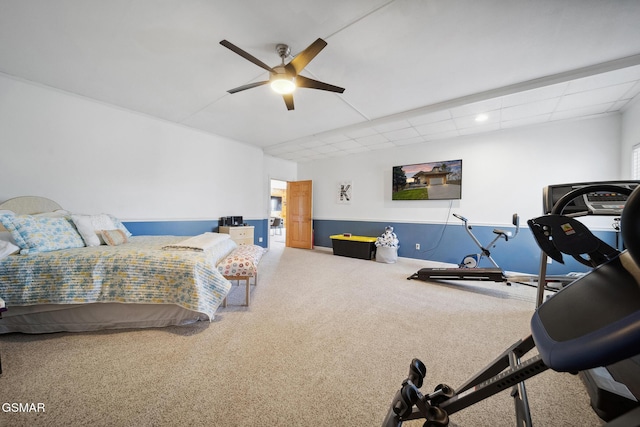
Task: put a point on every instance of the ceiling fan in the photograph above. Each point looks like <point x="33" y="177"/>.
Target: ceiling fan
<point x="284" y="78"/>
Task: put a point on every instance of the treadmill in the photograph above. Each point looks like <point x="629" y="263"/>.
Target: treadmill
<point x="614" y="389"/>
<point x="590" y="201"/>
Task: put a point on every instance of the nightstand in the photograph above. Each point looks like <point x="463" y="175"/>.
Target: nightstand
<point x="242" y="235"/>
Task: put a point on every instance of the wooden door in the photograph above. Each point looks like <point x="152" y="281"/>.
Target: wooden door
<point x="299" y="223"/>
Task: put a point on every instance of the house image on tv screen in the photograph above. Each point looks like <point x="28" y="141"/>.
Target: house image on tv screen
<point x="428" y="181"/>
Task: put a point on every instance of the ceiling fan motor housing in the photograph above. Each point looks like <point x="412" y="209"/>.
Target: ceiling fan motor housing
<point x="283" y="51"/>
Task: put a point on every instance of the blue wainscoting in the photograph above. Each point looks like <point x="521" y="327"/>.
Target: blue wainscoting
<point x="438" y="242"/>
<point x="450" y="243"/>
<point x="192" y="228"/>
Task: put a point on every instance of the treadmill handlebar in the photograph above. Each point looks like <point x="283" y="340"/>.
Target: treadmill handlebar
<point x="563" y="202"/>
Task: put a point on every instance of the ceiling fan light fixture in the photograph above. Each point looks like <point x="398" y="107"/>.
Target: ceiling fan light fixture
<point x="283" y="84"/>
<point x="285" y="77"/>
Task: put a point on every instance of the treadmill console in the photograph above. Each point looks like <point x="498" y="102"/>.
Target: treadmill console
<point x="596" y="203"/>
<point x="605" y="203"/>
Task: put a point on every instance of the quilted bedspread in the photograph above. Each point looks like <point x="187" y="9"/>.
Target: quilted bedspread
<point x="136" y="272"/>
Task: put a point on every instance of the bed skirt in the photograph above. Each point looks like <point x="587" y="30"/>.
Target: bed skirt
<point x="50" y="318"/>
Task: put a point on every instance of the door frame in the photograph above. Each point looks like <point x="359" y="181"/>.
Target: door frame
<point x="269" y="207"/>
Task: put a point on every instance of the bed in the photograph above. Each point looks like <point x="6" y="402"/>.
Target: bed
<point x="58" y="277"/>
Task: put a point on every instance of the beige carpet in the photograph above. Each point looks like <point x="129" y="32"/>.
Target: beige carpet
<point x="326" y="342"/>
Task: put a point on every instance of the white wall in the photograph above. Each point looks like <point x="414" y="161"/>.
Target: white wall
<point x="630" y="135"/>
<point x="503" y="172"/>
<point x="93" y="158"/>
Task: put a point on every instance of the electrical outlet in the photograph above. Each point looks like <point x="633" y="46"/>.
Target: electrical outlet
<point x="417" y="246"/>
<point x="259" y="239"/>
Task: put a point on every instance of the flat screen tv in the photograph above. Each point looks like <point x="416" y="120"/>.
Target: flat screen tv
<point x="428" y="181"/>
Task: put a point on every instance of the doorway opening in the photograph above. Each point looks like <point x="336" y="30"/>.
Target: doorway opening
<point x="277" y="212"/>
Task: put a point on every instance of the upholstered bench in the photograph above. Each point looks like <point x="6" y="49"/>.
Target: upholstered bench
<point x="242" y="264"/>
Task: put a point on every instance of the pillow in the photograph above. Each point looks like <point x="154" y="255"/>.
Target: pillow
<point x="5" y="212"/>
<point x="5" y="236"/>
<point x="7" y="248"/>
<point x="60" y="213"/>
<point x="88" y="225"/>
<point x="119" y="225"/>
<point x="114" y="237"/>
<point x="14" y="238"/>
<point x="42" y="234"/>
<point x="55" y="214"/>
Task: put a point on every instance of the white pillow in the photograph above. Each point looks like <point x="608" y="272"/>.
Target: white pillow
<point x="7" y="248"/>
<point x="5" y="236"/>
<point x="87" y="226"/>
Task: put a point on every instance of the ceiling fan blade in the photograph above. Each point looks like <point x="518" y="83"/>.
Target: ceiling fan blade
<point x="247" y="86"/>
<point x="303" y="58"/>
<point x="288" y="99"/>
<point x="245" y="55"/>
<point x="302" y="81"/>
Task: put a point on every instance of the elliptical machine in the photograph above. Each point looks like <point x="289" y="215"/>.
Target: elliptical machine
<point x="469" y="268"/>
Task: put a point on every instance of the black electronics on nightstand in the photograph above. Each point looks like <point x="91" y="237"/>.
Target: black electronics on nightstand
<point x="230" y="221"/>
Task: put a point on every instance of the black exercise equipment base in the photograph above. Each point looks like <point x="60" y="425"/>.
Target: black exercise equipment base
<point x="614" y="389"/>
<point x="481" y="274"/>
<point x="507" y="372"/>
